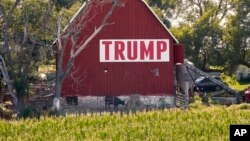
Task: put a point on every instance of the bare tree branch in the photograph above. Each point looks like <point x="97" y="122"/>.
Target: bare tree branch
<point x="13" y="8"/>
<point x="2" y="11"/>
<point x="59" y="40"/>
<point x="103" y="23"/>
<point x="5" y="31"/>
<point x="198" y="3"/>
<point x="218" y="8"/>
<point x="7" y="79"/>
<point x="25" y="28"/>
<point x="70" y="39"/>
<point x="47" y="14"/>
<point x="224" y="12"/>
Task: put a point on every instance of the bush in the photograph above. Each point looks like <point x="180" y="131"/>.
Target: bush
<point x="196" y="105"/>
<point x="21" y="86"/>
<point x="28" y="112"/>
<point x="243" y="106"/>
<point x="6" y="113"/>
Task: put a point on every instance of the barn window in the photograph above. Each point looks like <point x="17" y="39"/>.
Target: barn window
<point x="155" y="72"/>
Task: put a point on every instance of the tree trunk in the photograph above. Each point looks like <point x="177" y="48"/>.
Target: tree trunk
<point x="75" y="50"/>
<point x="7" y="79"/>
<point x="20" y="103"/>
<point x="58" y="90"/>
<point x="1" y="83"/>
<point x="7" y="52"/>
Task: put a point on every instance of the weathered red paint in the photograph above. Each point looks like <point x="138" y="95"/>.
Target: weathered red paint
<point x="178" y="53"/>
<point x="132" y="21"/>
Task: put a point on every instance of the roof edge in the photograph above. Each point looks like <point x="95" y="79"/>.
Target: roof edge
<point x="72" y="19"/>
<point x="160" y="21"/>
<point x="75" y="15"/>
<point x="84" y="4"/>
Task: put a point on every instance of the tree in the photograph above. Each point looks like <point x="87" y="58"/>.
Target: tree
<point x="7" y="79"/>
<point x="201" y="30"/>
<point x="71" y="34"/>
<point x="23" y="38"/>
<point x="214" y="32"/>
<point x="237" y="37"/>
<point x="6" y="18"/>
<point x="26" y="36"/>
<point x="164" y="9"/>
<point x="66" y="3"/>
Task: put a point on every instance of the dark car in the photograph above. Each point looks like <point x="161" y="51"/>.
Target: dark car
<point x="203" y="84"/>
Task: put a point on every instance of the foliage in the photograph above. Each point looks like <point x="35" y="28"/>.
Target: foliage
<point x="5" y="112"/>
<point x="243" y="106"/>
<point x="237" y="37"/>
<point x="232" y="82"/>
<point x="201" y="33"/>
<point x="27" y="112"/>
<point x="213" y="32"/>
<point x="66" y="3"/>
<point x="28" y="34"/>
<point x="197" y="104"/>
<point x="163" y="9"/>
<point x="209" y="123"/>
<point x="21" y="85"/>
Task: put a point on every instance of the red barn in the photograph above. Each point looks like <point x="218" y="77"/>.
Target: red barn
<point x="134" y="54"/>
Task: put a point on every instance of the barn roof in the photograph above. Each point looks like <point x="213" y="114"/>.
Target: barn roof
<point x="160" y="20"/>
<point x="143" y="1"/>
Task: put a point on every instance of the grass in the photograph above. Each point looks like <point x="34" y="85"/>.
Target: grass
<point x="47" y="69"/>
<point x="231" y="81"/>
<point x="216" y="67"/>
<point x="234" y="83"/>
<point x="200" y="123"/>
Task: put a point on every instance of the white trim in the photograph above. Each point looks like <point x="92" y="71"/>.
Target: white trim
<point x="72" y="19"/>
<point x="160" y="20"/>
<point x="75" y="16"/>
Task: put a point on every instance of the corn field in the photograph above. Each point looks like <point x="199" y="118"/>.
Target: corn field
<point x="196" y="124"/>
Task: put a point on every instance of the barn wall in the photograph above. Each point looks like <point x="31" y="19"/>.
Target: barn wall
<point x="178" y="53"/>
<point x="91" y="77"/>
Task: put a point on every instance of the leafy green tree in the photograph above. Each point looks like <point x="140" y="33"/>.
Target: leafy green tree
<point x="23" y="37"/>
<point x="236" y="37"/>
<point x="21" y="86"/>
<point x="66" y="3"/>
<point x="7" y="9"/>
<point x="155" y="3"/>
<point x="201" y="30"/>
<point x="164" y="9"/>
<point x="28" y="32"/>
<point x="215" y="32"/>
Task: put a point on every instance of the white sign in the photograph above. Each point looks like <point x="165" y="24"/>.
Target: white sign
<point x="134" y="50"/>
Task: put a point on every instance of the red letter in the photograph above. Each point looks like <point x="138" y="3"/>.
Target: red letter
<point x="147" y="51"/>
<point x="129" y="46"/>
<point x="119" y="48"/>
<point x="106" y="44"/>
<point x="161" y="47"/>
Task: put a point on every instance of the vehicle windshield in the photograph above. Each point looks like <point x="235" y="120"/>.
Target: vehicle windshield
<point x="199" y="79"/>
<point x="202" y="78"/>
